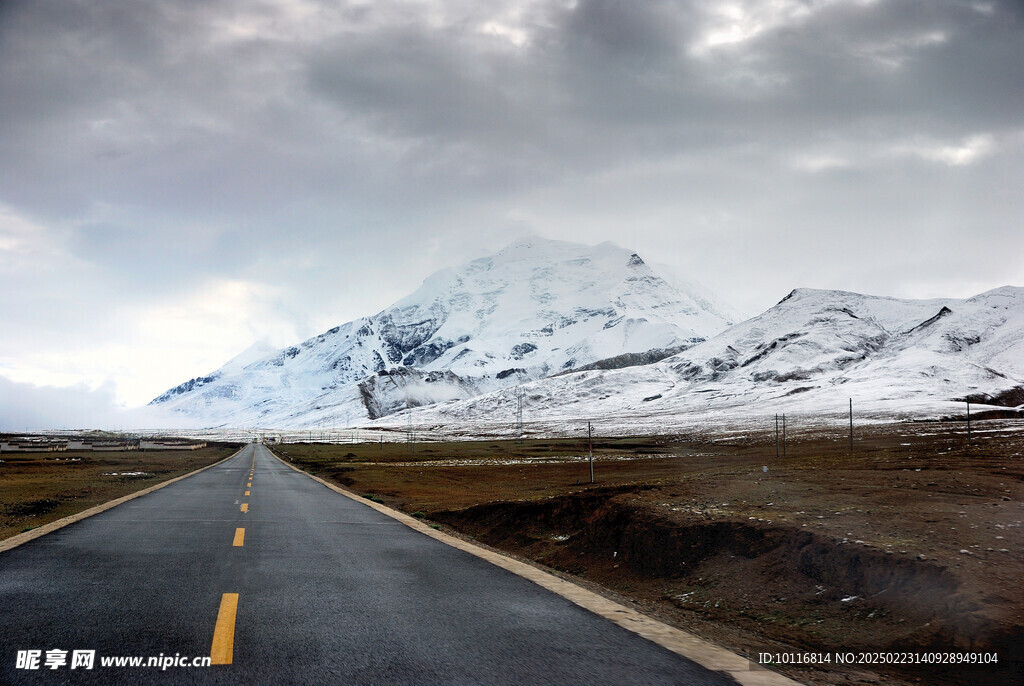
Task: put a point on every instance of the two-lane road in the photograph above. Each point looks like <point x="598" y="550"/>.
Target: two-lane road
<point x="282" y="580"/>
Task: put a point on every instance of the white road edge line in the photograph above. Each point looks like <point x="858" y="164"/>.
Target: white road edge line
<point x="704" y="653"/>
<point x="19" y="539"/>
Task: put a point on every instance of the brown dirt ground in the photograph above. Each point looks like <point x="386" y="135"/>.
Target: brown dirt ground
<point x="912" y="543"/>
<point x="38" y="488"/>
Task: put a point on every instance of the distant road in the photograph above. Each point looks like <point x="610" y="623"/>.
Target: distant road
<point x="285" y="581"/>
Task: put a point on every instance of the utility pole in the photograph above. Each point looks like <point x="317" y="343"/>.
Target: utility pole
<point x="968" y="422"/>
<point x="776" y="435"/>
<point x="408" y="406"/>
<point x="590" y="440"/>
<point x="851" y="426"/>
<point x="783" y="434"/>
<point x="520" y="394"/>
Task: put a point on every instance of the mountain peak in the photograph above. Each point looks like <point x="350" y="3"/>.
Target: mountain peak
<point x="255" y="352"/>
<point x="535" y="308"/>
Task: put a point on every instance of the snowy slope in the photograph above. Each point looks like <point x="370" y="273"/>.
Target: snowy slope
<point x="810" y="353"/>
<point x="536" y="308"/>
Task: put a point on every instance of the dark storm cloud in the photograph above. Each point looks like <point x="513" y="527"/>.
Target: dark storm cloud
<point x="612" y="30"/>
<point x="148" y="104"/>
<point x="940" y="65"/>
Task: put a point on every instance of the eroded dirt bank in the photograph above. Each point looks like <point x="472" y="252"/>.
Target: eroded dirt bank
<point x="784" y="582"/>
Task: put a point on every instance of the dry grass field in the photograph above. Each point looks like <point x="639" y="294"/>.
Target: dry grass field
<point x="913" y="542"/>
<point x="38" y="488"/>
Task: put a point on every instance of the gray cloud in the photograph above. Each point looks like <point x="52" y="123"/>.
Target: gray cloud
<point x="157" y="107"/>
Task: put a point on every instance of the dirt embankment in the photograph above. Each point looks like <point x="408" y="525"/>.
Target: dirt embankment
<point x="784" y="583"/>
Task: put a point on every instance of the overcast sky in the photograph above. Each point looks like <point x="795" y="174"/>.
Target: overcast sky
<point x="181" y="179"/>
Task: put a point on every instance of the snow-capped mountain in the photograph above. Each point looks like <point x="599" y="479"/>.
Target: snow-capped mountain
<point x="534" y="309"/>
<point x="810" y="353"/>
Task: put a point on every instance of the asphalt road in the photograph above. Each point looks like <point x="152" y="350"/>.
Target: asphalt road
<point x="326" y="591"/>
